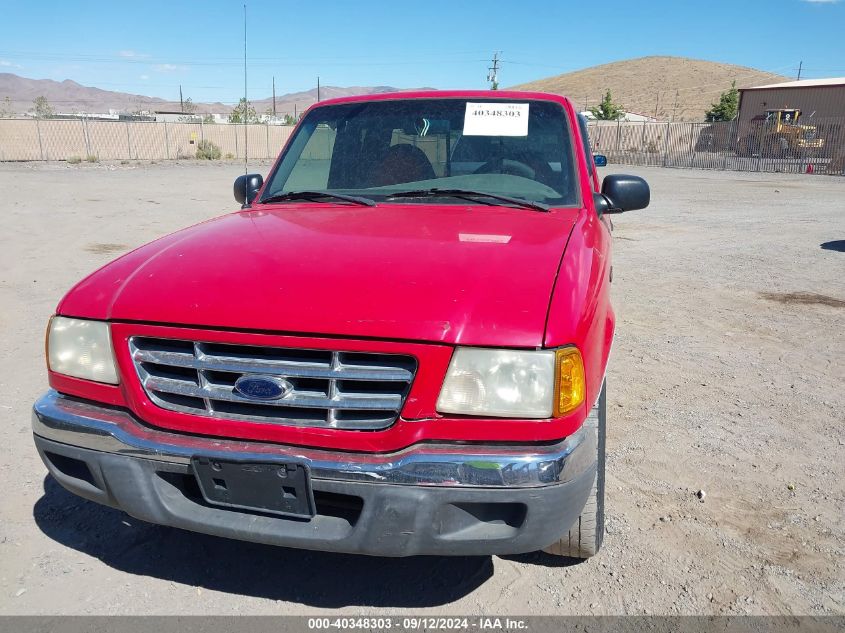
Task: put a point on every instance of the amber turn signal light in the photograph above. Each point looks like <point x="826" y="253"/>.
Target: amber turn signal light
<point x="570" y="385"/>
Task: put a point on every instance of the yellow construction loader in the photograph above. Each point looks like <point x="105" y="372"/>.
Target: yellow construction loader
<point x="777" y="134"/>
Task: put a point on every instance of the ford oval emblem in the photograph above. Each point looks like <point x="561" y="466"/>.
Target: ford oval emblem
<point x="257" y="387"/>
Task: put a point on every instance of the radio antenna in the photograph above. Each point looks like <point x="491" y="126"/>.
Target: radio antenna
<point x="245" y="115"/>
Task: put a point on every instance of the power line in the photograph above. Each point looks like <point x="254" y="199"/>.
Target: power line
<point x="175" y="64"/>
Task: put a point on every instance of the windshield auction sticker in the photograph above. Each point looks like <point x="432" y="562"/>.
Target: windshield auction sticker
<point x="496" y="119"/>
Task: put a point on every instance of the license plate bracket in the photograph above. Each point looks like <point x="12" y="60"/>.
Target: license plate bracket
<point x="280" y="488"/>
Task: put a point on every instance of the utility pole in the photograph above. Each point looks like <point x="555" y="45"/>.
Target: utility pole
<point x="493" y="73"/>
<point x="318" y="88"/>
<point x="800" y="66"/>
<point x="274" y="97"/>
<point x="181" y="102"/>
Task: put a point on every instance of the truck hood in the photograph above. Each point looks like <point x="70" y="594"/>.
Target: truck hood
<point x="470" y="275"/>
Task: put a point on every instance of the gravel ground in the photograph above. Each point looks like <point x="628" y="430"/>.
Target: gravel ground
<point x="726" y="376"/>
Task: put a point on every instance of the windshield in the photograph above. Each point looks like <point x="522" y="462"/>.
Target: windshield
<point x="376" y="149"/>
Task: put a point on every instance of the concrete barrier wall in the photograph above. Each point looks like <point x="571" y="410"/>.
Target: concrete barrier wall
<point x="55" y="139"/>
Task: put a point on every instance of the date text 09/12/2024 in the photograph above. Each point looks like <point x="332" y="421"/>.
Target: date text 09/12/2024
<point x="418" y="623"/>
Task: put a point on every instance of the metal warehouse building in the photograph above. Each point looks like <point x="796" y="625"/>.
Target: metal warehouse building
<point x="767" y="125"/>
<point x="816" y="98"/>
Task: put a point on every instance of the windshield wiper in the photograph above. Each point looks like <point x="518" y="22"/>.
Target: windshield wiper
<point x="469" y="194"/>
<point x="317" y="196"/>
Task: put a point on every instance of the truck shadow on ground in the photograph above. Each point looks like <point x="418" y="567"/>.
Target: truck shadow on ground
<point x="315" y="579"/>
<point x="835" y="245"/>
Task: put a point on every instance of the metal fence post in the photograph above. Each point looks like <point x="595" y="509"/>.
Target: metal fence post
<point x="642" y="141"/>
<point x="731" y="143"/>
<point x="618" y="126"/>
<point x="760" y="137"/>
<point x="267" y="135"/>
<point x="166" y="142"/>
<point x="38" y="132"/>
<point x="128" y="142"/>
<point x="202" y="131"/>
<point x="691" y="150"/>
<point x="666" y="145"/>
<point x="85" y="136"/>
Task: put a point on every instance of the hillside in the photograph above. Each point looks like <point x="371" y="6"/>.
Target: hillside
<point x="668" y="86"/>
<point x="285" y="103"/>
<point x="69" y="96"/>
<point x="650" y="84"/>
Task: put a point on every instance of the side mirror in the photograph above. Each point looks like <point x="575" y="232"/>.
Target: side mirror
<point x="625" y="193"/>
<point x="247" y="187"/>
<point x="600" y="160"/>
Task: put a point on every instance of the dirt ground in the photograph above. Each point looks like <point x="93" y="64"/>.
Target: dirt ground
<point x="727" y="376"/>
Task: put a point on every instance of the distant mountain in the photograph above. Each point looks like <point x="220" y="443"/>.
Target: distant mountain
<point x="68" y="96"/>
<point x="301" y="100"/>
<point x="668" y="86"/>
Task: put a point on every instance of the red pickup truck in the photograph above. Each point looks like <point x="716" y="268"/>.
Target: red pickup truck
<point x="397" y="346"/>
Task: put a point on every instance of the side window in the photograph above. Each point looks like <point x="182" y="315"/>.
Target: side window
<point x="311" y="171"/>
<point x="582" y="124"/>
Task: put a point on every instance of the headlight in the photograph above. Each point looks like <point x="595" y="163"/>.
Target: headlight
<point x="513" y="383"/>
<point x="81" y="348"/>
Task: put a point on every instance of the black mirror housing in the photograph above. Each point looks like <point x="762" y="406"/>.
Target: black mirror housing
<point x="625" y="193"/>
<point x="247" y="187"/>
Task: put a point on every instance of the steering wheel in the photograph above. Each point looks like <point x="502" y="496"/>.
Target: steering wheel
<point x="530" y="167"/>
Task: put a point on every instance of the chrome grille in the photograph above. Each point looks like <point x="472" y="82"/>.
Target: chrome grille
<point x="343" y="390"/>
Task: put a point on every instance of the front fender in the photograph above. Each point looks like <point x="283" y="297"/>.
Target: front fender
<point x="580" y="312"/>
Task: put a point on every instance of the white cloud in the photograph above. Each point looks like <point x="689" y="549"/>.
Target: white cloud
<point x="144" y="77"/>
<point x="168" y="68"/>
<point x="132" y="54"/>
<point x="8" y="64"/>
<point x="822" y="1"/>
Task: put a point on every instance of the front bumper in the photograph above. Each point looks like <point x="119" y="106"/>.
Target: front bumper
<point x="427" y="499"/>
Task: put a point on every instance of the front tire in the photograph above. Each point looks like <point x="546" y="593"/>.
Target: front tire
<point x="585" y="537"/>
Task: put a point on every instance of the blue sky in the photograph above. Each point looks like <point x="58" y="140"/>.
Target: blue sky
<point x="151" y="47"/>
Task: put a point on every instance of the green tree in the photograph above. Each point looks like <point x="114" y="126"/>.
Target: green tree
<point x="727" y="108"/>
<point x="607" y="110"/>
<point x="289" y="119"/>
<point x="189" y="109"/>
<point x="43" y="109"/>
<point x="208" y="118"/>
<point x="243" y="113"/>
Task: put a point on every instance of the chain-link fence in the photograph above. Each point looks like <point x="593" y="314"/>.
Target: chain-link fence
<point x="70" y="139"/>
<point x="815" y="146"/>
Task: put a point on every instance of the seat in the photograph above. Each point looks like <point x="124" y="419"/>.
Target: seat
<point x="402" y="163"/>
